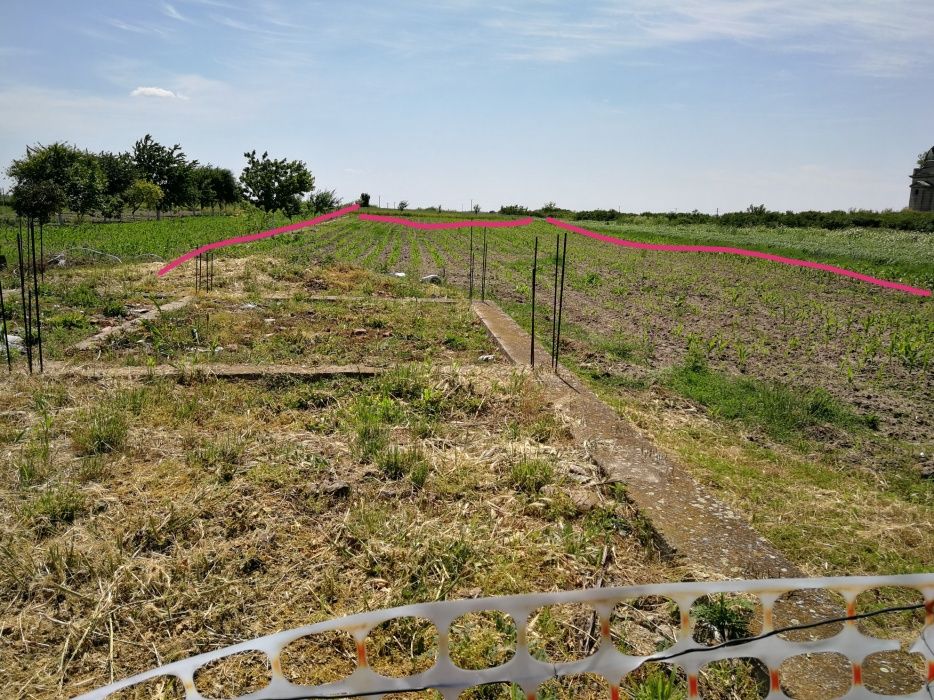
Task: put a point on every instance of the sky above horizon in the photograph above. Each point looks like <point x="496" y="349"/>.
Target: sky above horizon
<point x="639" y="105"/>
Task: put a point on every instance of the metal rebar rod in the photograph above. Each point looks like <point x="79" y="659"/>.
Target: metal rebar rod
<point x="35" y="286"/>
<point x="554" y="303"/>
<point x="27" y="329"/>
<point x="564" y="260"/>
<point x="6" y="338"/>
<point x="470" y="264"/>
<point x="534" y="271"/>
<point x="42" y="252"/>
<point x="483" y="272"/>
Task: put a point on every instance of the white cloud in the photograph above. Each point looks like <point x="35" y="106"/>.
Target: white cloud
<point x="155" y="92"/>
<point x="136" y="28"/>
<point x="170" y="11"/>
<point x="863" y="36"/>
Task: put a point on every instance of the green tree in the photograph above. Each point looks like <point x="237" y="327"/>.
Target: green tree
<point x="364" y="199"/>
<point x="119" y="170"/>
<point x="86" y="184"/>
<point x="213" y="186"/>
<point x="143" y="193"/>
<point x="168" y="168"/>
<point x="37" y="199"/>
<point x="51" y="165"/>
<point x="403" y="205"/>
<point x="274" y="185"/>
<point x="225" y="186"/>
<point x="202" y="184"/>
<point x="323" y="202"/>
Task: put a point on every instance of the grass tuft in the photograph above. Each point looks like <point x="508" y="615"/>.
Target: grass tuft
<point x="219" y="456"/>
<point x="531" y="475"/>
<point x="398" y="462"/>
<point x="100" y="430"/>
<point x="57" y="506"/>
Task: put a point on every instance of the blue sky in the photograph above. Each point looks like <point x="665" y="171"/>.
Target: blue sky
<point x="639" y="104"/>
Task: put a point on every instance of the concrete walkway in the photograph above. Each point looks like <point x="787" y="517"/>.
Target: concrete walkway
<point x="689" y="520"/>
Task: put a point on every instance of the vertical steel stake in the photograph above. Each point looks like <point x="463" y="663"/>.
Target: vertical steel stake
<point x="534" y="271"/>
<point x="554" y="303"/>
<point x="564" y="260"/>
<point x="35" y="286"/>
<point x="6" y="338"/>
<point x="27" y="328"/>
<point x="42" y="252"/>
<point x="483" y="272"/>
<point x="470" y="264"/>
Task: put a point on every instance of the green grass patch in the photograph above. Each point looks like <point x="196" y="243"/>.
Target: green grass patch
<point x="531" y="475"/>
<point x="783" y="413"/>
<point x="100" y="430"/>
<point x="57" y="506"/>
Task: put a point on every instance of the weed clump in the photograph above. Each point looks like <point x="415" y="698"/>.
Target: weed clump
<point x="531" y="475"/>
<point x="722" y="619"/>
<point x="398" y="462"/>
<point x="100" y="430"/>
<point x="659" y="685"/>
<point x="221" y="457"/>
<point x="58" y="506"/>
<point x="371" y="419"/>
<point x="783" y="413"/>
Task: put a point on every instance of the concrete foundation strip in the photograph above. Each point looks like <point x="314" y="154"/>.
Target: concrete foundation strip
<point x="94" y="342"/>
<point x="215" y="371"/>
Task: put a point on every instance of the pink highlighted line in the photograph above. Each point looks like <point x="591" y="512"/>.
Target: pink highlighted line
<point x="741" y="251"/>
<point x="465" y="223"/>
<point x="256" y="236"/>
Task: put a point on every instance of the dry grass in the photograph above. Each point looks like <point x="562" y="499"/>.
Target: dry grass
<point x="231" y="510"/>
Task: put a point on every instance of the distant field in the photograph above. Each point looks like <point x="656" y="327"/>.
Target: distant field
<point x="897" y="255"/>
<point x="902" y="256"/>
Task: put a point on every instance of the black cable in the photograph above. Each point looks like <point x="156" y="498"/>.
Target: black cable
<point x="781" y="630"/>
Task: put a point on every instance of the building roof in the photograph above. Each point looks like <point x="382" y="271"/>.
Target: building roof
<point x="928" y="155"/>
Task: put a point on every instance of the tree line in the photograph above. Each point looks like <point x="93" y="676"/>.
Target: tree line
<point x="754" y="215"/>
<point x="52" y="179"/>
